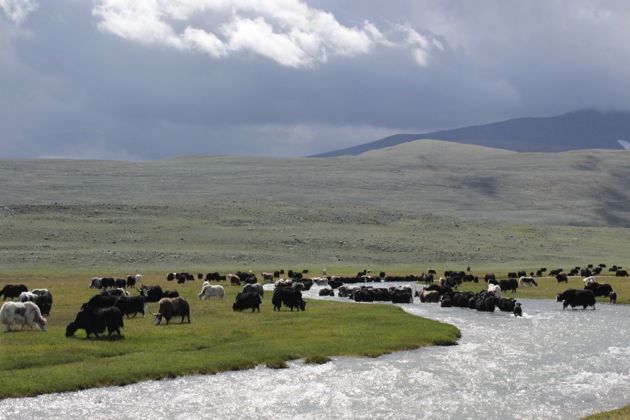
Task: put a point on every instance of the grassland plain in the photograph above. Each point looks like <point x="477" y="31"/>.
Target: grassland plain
<point x="586" y="187"/>
<point x="208" y="236"/>
<point x="217" y="339"/>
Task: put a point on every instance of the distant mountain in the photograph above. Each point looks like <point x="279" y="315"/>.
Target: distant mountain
<point x="575" y="130"/>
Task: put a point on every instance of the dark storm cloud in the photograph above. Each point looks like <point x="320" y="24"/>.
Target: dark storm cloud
<point x="73" y="86"/>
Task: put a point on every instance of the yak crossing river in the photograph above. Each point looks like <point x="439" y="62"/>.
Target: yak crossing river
<point x="549" y="364"/>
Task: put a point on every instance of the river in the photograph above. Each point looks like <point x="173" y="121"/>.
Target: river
<point x="549" y="364"/>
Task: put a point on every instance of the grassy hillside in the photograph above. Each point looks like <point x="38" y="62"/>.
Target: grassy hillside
<point x="572" y="188"/>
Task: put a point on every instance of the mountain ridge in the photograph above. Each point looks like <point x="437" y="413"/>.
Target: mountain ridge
<point x="586" y="129"/>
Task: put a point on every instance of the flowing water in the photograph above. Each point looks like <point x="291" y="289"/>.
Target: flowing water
<point x="548" y="364"/>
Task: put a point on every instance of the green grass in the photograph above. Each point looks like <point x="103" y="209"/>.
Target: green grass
<point x="218" y="339"/>
<point x="619" y="414"/>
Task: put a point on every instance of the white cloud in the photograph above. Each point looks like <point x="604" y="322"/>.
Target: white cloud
<point x="139" y="21"/>
<point x="17" y="10"/>
<point x="421" y="45"/>
<point x="204" y="41"/>
<point x="286" y="31"/>
<point x="258" y="36"/>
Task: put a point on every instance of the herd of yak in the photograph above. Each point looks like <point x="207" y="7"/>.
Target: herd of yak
<point x="105" y="311"/>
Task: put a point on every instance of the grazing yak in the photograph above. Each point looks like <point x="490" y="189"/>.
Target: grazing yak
<point x="96" y="320"/>
<point x="527" y="282"/>
<point x="151" y="293"/>
<point x="509" y="284"/>
<point x="27" y="297"/>
<point x="233" y="279"/>
<point x="561" y="277"/>
<point x="12" y="291"/>
<point x="208" y="291"/>
<point x="17" y="315"/>
<point x="44" y="300"/>
<point x="215" y="277"/>
<point x="575" y="298"/>
<point x="255" y="287"/>
<point x="95" y="283"/>
<point x="172" y="307"/>
<point x="170" y="293"/>
<point x="132" y="280"/>
<point x="41" y="297"/>
<point x="288" y="296"/>
<point x="248" y="277"/>
<point x="107" y="282"/>
<point x="115" y="292"/>
<point x="599" y="289"/>
<point x="101" y="301"/>
<point x="180" y="277"/>
<point x="247" y="300"/>
<point x="267" y="276"/>
<point x="131" y="305"/>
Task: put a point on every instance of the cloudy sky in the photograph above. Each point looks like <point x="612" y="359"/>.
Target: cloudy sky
<point x="147" y="79"/>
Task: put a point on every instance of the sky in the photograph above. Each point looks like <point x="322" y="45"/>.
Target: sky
<point x="141" y="80"/>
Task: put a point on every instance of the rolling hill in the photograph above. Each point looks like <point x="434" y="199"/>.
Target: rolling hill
<point x="572" y="131"/>
<point x="423" y="202"/>
<point x="585" y="187"/>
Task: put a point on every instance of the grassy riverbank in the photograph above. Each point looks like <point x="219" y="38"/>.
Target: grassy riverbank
<point x="218" y="339"/>
<point x="619" y="414"/>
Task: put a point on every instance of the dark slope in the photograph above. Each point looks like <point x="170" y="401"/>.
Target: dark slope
<point x="575" y="130"/>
